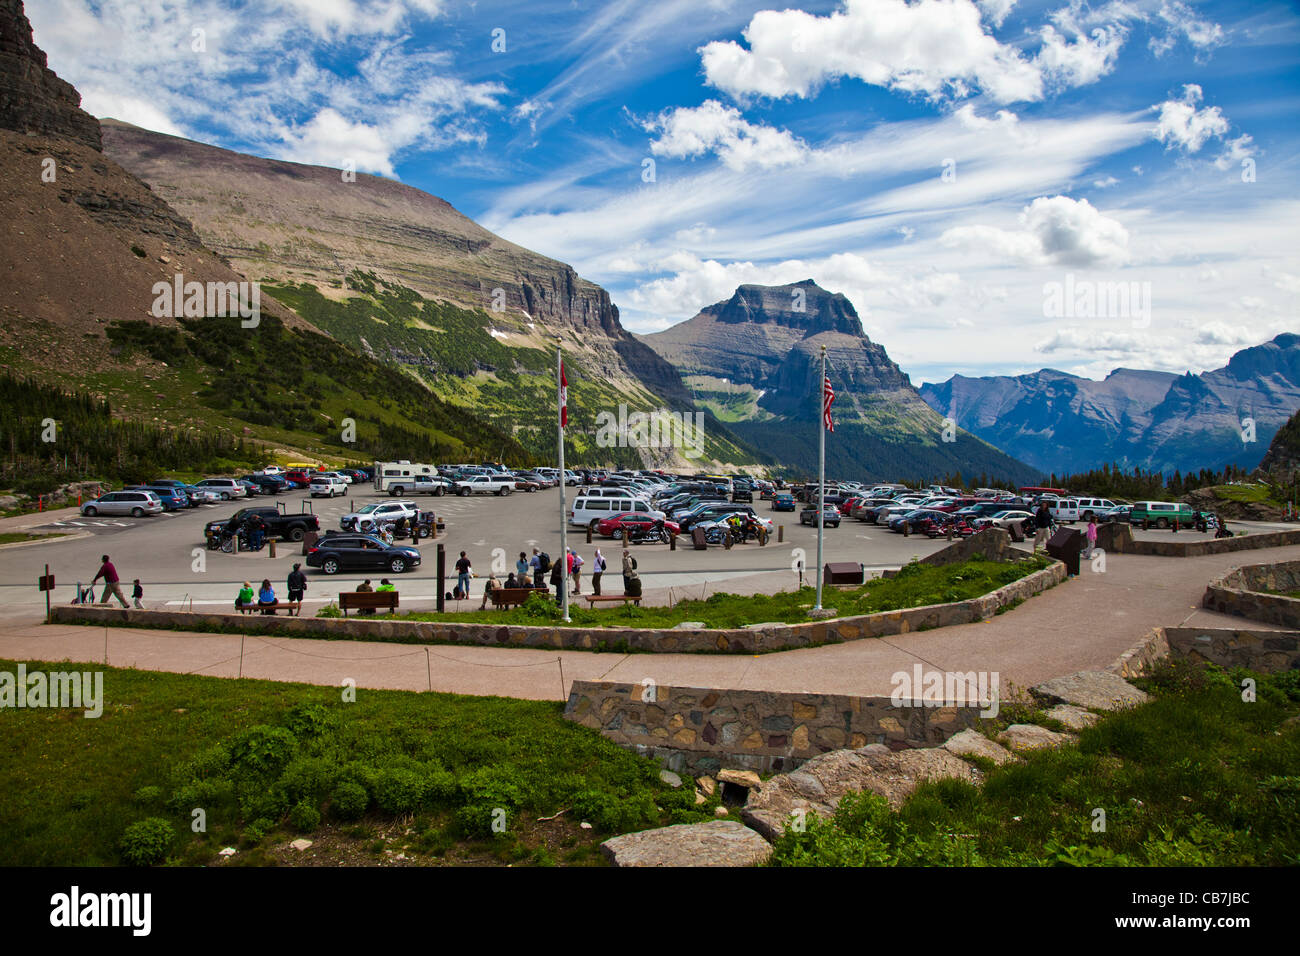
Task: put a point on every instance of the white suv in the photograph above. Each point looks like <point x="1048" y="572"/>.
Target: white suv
<point x="327" y="485"/>
<point x="370" y="517"/>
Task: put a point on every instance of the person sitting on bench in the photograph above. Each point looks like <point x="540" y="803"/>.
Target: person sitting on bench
<point x="244" y="601"/>
<point x="365" y="588"/>
<point x="266" y="598"/>
<point x="488" y="588"/>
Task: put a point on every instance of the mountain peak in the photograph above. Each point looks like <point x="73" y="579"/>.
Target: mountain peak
<point x="802" y="305"/>
<point x="32" y="98"/>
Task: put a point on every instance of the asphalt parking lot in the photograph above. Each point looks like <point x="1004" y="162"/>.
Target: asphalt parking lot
<point x="168" y="554"/>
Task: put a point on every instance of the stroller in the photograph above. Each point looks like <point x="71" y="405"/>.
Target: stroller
<point x="84" y="595"/>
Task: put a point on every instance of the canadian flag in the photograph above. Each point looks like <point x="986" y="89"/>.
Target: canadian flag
<point x="564" y="398"/>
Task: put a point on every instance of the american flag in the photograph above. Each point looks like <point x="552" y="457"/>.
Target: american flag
<point x="828" y="399"/>
<point x="564" y="398"/>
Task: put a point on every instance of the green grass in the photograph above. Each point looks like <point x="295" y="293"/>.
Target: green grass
<point x="1249" y="494"/>
<point x="253" y="754"/>
<point x="916" y="585"/>
<point x="1195" y="777"/>
<point x="11" y="537"/>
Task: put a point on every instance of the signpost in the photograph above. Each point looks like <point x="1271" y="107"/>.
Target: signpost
<point x="46" y="583"/>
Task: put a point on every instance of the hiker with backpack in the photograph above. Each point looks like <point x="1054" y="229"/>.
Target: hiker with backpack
<point x="540" y="563"/>
<point x="597" y="569"/>
<point x="631" y="580"/>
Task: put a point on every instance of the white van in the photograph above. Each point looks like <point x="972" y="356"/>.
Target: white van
<point x="227" y="488"/>
<point x="588" y="510"/>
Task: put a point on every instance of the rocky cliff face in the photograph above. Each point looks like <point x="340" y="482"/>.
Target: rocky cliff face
<point x="294" y="223"/>
<point x="32" y="98"/>
<point x="755" y="360"/>
<point x="1156" y="420"/>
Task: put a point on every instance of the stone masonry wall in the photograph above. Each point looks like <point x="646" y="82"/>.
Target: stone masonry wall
<point x="1116" y="537"/>
<point x="1269" y="652"/>
<point x="1242" y="592"/>
<point x="752" y="640"/>
<point x="700" y="729"/>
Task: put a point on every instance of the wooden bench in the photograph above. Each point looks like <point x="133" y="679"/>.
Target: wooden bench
<point x="511" y="597"/>
<point x="367" y="600"/>
<point x="256" y="608"/>
<point x="593" y="599"/>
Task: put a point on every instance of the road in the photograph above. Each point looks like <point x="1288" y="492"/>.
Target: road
<point x="167" y="553"/>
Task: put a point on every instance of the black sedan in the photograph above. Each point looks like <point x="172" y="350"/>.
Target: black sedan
<point x="360" y="552"/>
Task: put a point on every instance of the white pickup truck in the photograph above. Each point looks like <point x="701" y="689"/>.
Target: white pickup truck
<point x="495" y="484"/>
<point x="421" y="485"/>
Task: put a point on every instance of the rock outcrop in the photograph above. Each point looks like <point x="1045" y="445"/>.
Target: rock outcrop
<point x="32" y="98"/>
<point x="714" y="843"/>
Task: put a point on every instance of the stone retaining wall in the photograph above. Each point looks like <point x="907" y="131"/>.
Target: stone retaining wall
<point x="699" y="729"/>
<point x="1241" y="592"/>
<point x="1138" y="660"/>
<point x="1268" y="652"/>
<point x="1117" y="537"/>
<point x="758" y="638"/>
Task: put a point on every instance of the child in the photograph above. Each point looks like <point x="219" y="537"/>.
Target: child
<point x="137" y="592"/>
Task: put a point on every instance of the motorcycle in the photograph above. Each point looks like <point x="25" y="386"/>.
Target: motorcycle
<point x="651" y="534"/>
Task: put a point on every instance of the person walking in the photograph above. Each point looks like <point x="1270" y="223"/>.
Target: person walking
<point x="597" y="569"/>
<point x="1043" y="523"/>
<point x="575" y="570"/>
<point x="111" y="583"/>
<point x="297" y="586"/>
<point x="137" y="592"/>
<point x="463" y="571"/>
<point x="1092" y="538"/>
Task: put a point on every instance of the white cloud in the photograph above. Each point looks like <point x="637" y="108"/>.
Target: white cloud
<point x="932" y="47"/>
<point x="1182" y="21"/>
<point x="712" y="127"/>
<point x="995" y="11"/>
<point x="1053" y="230"/>
<point x="1182" y="124"/>
<point x="1235" y="151"/>
<point x="1083" y="60"/>
<point x="1105" y="183"/>
<point x="269" y="83"/>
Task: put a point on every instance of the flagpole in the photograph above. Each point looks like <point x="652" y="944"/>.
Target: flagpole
<point x="560" y="402"/>
<point x="821" y="472"/>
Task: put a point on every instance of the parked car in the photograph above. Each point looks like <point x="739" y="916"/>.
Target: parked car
<point x="323" y="486"/>
<point x="285" y="527"/>
<point x="201" y="496"/>
<point x="1005" y="519"/>
<point x="298" y="477"/>
<point x="360" y="552"/>
<point x="1162" y="514"/>
<point x="137" y="504"/>
<point x="1118" y="513"/>
<point x="226" y="488"/>
<point x="783" y="501"/>
<point x="618" y="526"/>
<point x="269" y="484"/>
<point x="830" y="516"/>
<point x="172" y="499"/>
<point x="373" y="515"/>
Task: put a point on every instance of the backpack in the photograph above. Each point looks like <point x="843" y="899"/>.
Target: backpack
<point x="544" y="562"/>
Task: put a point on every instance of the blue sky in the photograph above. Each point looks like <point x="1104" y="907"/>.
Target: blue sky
<point x="944" y="163"/>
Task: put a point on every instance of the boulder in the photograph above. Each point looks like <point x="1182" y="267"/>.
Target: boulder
<point x="1094" y="690"/>
<point x="1074" y="718"/>
<point x="715" y="843"/>
<point x="670" y="778"/>
<point x="1026" y="737"/>
<point x="741" y="778"/>
<point x="818" y="785"/>
<point x="972" y="743"/>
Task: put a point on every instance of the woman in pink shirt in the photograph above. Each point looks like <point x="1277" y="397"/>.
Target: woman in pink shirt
<point x="1092" y="536"/>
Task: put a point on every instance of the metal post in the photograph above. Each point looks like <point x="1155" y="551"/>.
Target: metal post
<point x="561" y="400"/>
<point x="821" y="471"/>
<point x="442" y="577"/>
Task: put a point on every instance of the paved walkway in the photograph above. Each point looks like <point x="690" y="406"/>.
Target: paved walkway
<point x="1084" y="623"/>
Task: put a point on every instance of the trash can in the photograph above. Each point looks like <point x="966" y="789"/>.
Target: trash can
<point x="1065" y="546"/>
<point x="697" y="536"/>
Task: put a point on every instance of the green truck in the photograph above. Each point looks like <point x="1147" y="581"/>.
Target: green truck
<point x="1162" y="514"/>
